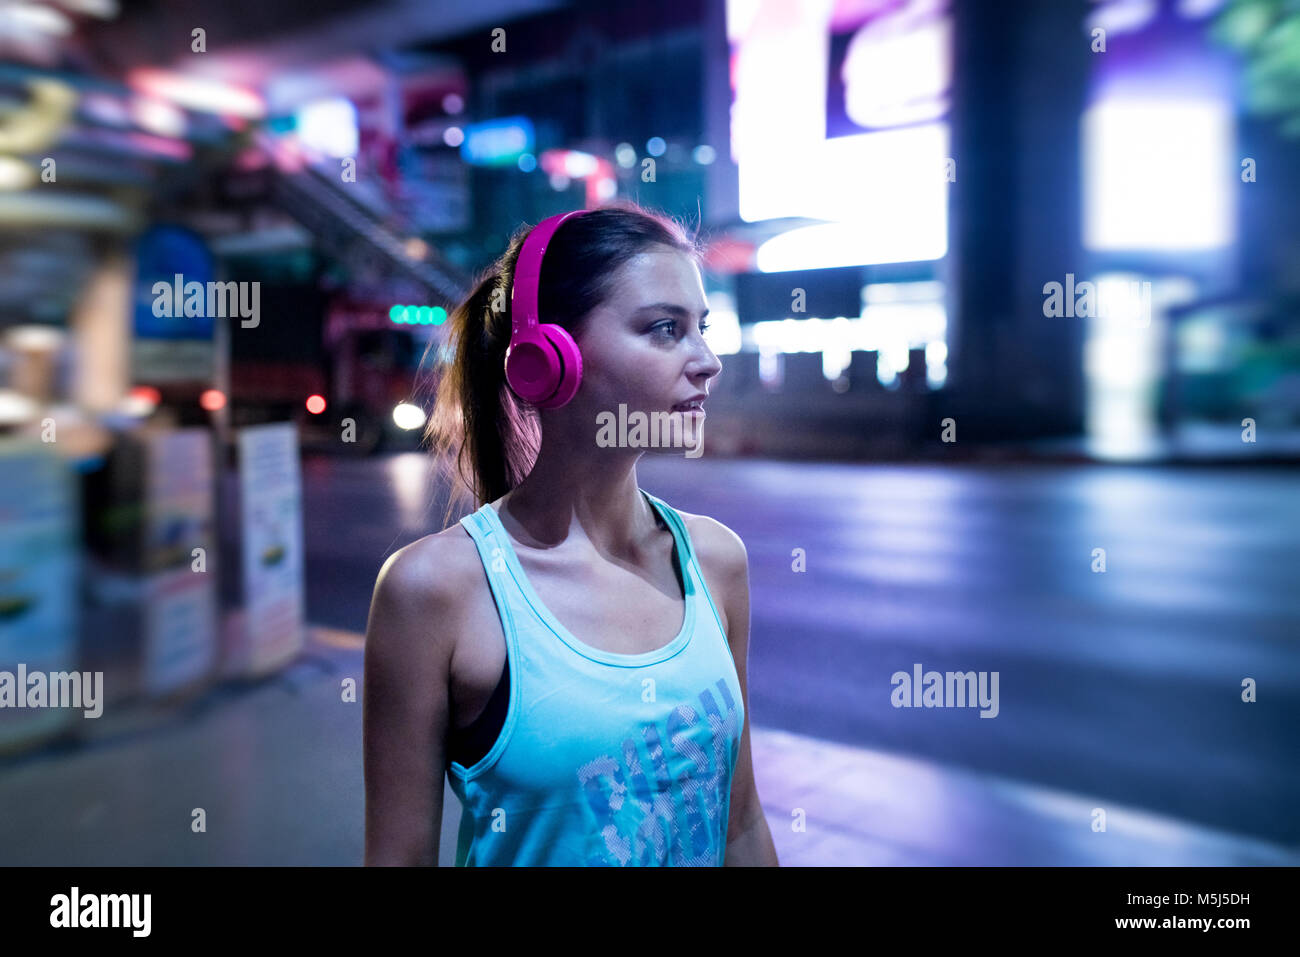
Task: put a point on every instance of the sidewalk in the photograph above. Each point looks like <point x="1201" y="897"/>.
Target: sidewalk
<point x="276" y="769"/>
<point x="868" y="808"/>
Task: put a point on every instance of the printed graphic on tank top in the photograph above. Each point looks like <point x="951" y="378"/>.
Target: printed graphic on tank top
<point x="605" y="759"/>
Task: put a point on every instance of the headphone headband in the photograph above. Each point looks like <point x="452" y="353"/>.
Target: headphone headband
<point x="543" y="364"/>
<point x="528" y="272"/>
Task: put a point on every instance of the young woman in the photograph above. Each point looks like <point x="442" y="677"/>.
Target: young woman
<point x="572" y="655"/>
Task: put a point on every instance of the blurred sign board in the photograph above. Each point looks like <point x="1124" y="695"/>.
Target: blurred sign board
<point x="497" y="142"/>
<point x="271" y="540"/>
<point x="39" y="579"/>
<point x="172" y="347"/>
<point x="180" y="611"/>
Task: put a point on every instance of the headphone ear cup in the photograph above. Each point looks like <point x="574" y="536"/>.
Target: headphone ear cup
<point x="568" y="358"/>
<point x="532" y="369"/>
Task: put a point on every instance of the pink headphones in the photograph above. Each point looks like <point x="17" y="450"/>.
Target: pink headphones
<point x="543" y="364"/>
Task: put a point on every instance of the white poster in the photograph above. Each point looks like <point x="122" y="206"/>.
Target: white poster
<point x="270" y="481"/>
<point x="180" y="593"/>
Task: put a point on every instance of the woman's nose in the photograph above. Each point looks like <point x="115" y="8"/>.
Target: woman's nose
<point x="710" y="365"/>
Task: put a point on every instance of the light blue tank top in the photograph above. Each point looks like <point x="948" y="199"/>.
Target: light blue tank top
<point x="604" y="759"/>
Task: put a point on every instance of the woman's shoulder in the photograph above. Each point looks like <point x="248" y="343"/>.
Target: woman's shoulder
<point x="716" y="545"/>
<point x="421" y="601"/>
<point x="432" y="572"/>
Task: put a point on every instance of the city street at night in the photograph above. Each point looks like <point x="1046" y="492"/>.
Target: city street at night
<point x="955" y="345"/>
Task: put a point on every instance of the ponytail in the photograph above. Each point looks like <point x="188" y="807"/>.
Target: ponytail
<point x="483" y="437"/>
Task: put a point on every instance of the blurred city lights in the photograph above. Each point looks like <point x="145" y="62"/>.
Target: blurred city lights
<point x="1122" y="360"/>
<point x="1122" y="16"/>
<point x="579" y="164"/>
<point x="606" y="189"/>
<point x="17" y="19"/>
<point x="625" y="155"/>
<point x="898" y="69"/>
<point x="15" y="174"/>
<point x="197" y="93"/>
<point x="407" y="416"/>
<point x="497" y="142"/>
<point x="16" y="408"/>
<point x="104" y="9"/>
<point x="771" y="368"/>
<point x="212" y="399"/>
<point x="418" y="315"/>
<point x="724" y="335"/>
<point x="157" y="116"/>
<point x="35" y="338"/>
<point x="936" y="367"/>
<point x="141" y="401"/>
<point x="1158" y="175"/>
<point x="330" y="126"/>
<point x="911" y="223"/>
<point x="1195" y="9"/>
<point x="315" y="404"/>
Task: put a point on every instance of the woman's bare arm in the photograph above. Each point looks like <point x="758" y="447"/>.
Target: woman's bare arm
<point x="405" y="705"/>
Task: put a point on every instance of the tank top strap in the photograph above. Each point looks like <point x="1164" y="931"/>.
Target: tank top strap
<point x="492" y="551"/>
<point x="689" y="559"/>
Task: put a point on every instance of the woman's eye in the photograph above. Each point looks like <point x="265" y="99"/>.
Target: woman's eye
<point x="669" y="326"/>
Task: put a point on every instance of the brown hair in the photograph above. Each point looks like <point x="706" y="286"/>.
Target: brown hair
<point x="484" y="437"/>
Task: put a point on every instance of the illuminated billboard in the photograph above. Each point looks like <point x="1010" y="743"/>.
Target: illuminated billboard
<point x="838" y="113"/>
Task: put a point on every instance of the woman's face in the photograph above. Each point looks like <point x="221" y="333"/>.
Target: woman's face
<point x="643" y="347"/>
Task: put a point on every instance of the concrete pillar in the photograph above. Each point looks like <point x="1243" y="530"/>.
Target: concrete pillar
<point x="1019" y="86"/>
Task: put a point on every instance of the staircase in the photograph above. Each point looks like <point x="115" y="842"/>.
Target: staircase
<point x="358" y="237"/>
